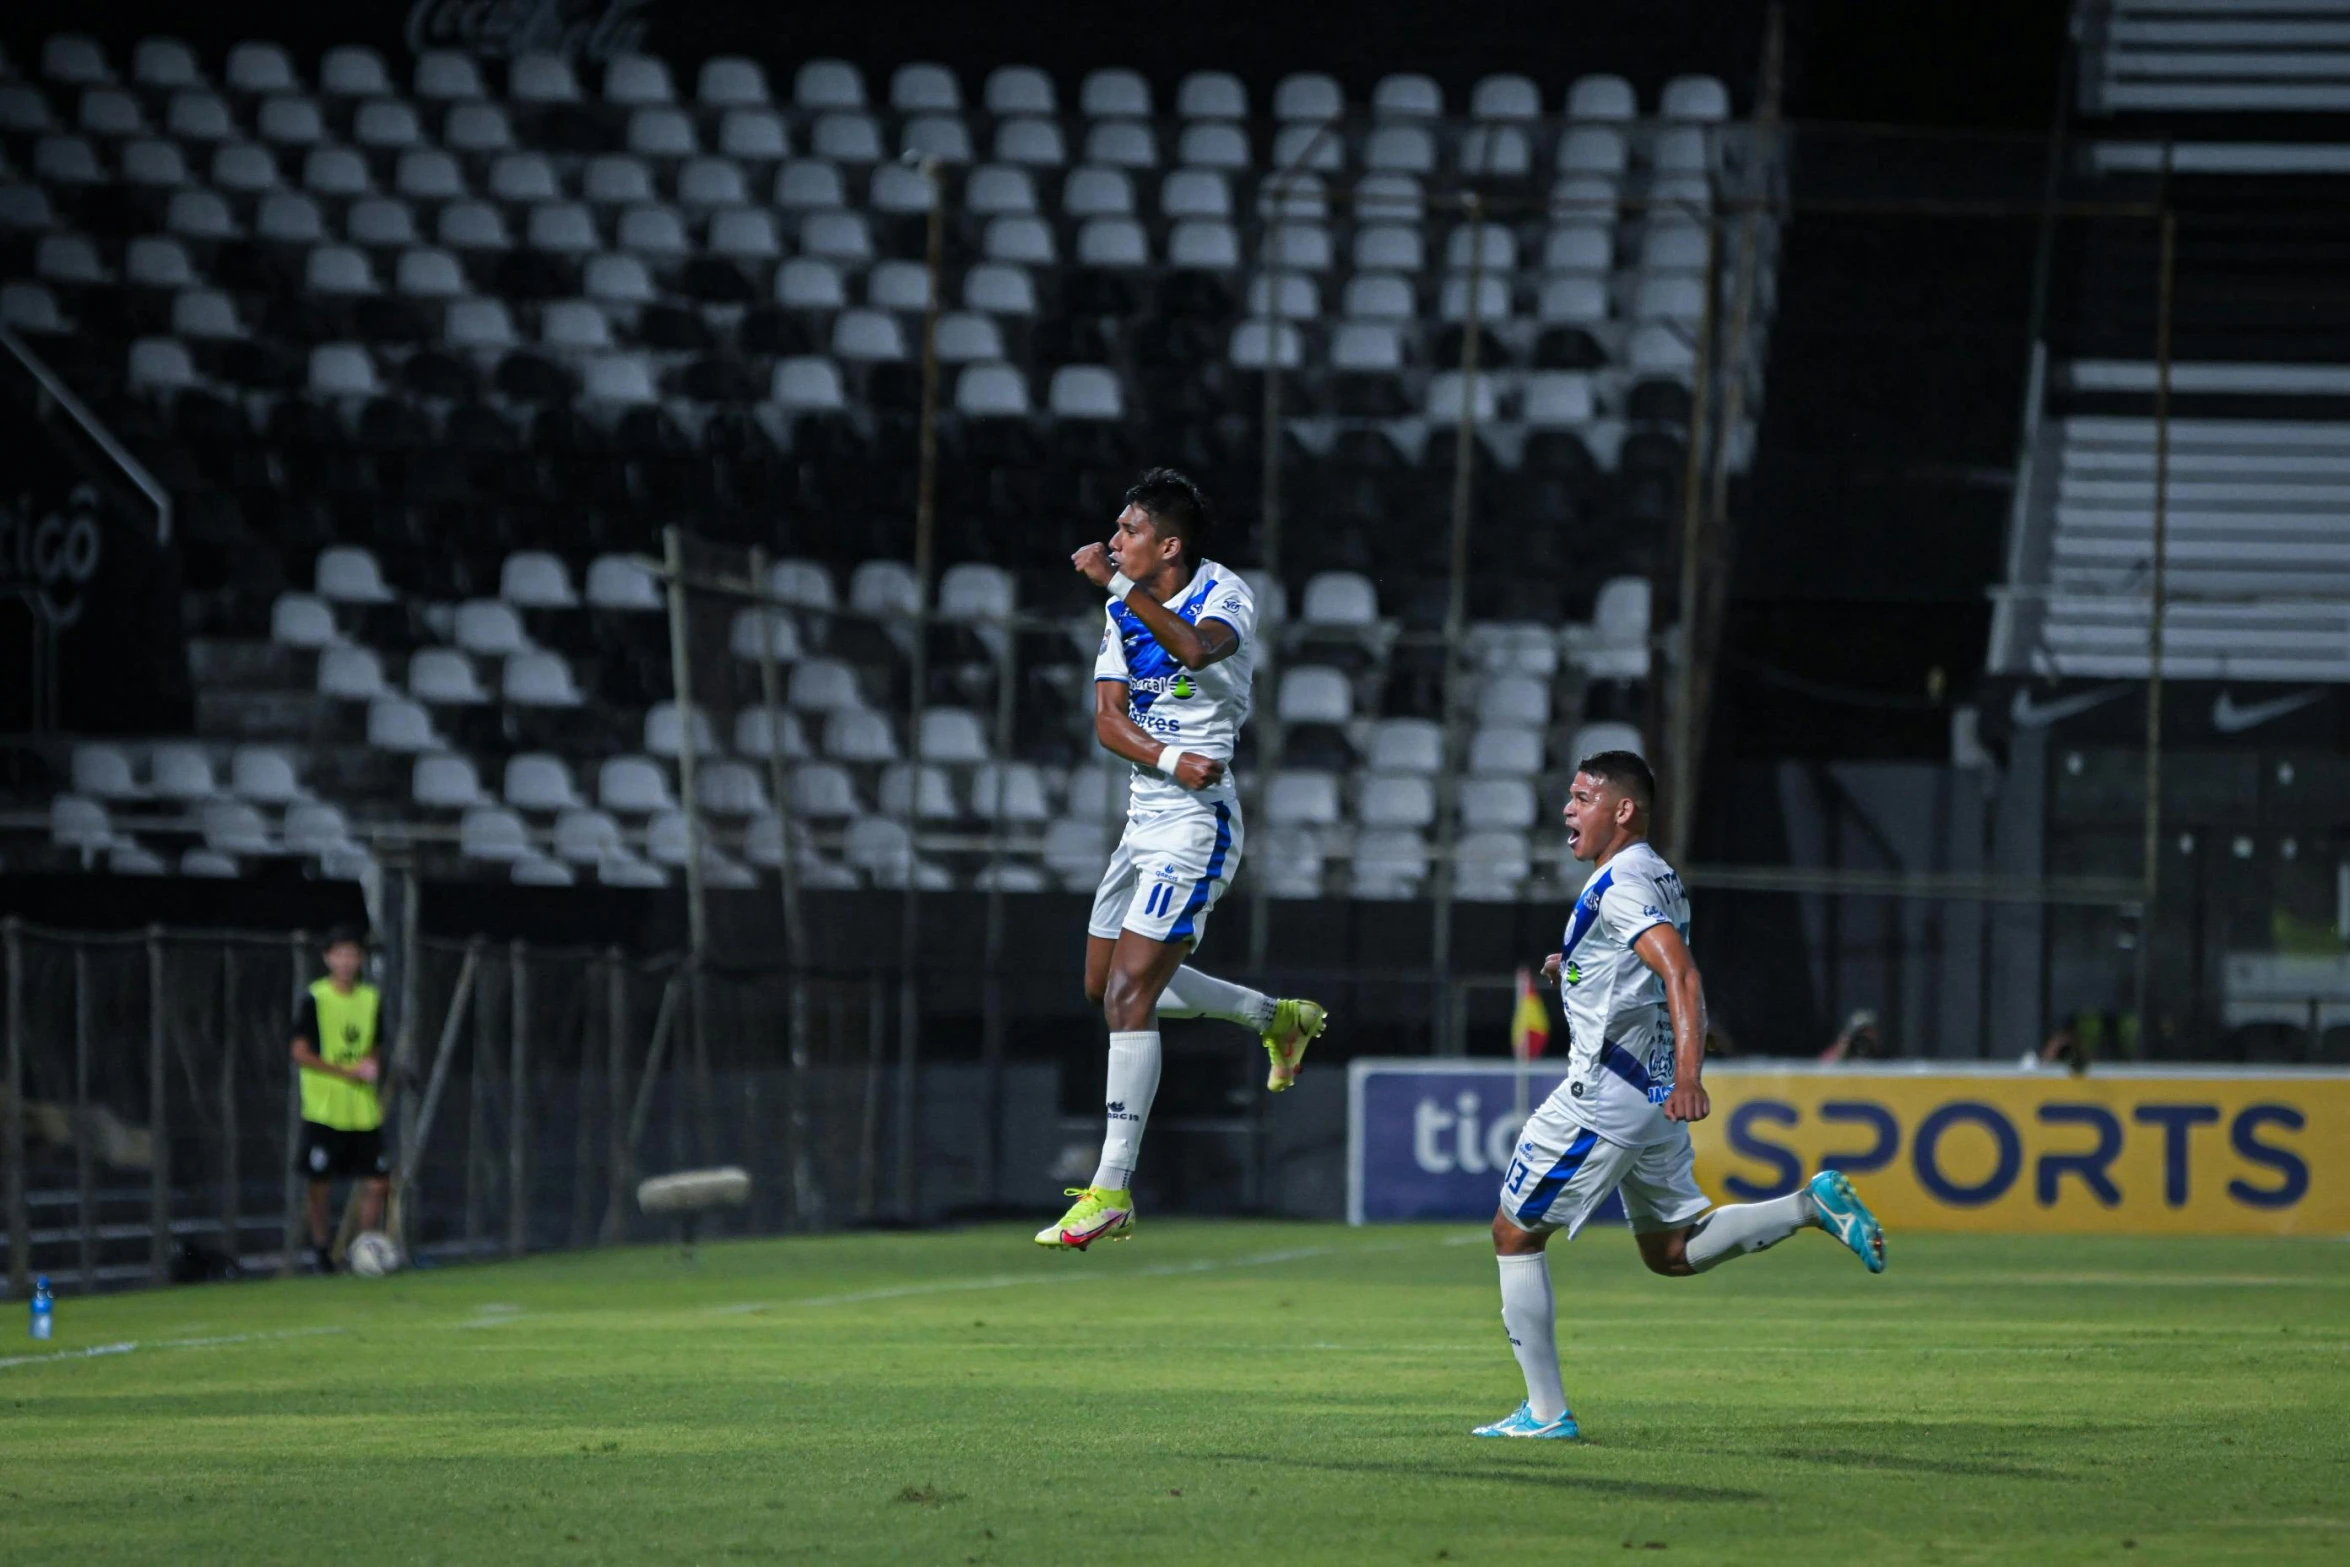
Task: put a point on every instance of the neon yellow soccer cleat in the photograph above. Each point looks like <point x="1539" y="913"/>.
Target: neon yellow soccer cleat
<point x="1099" y="1214"/>
<point x="1296" y="1024"/>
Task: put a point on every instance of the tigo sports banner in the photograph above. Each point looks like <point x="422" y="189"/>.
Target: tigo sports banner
<point x="1934" y="1146"/>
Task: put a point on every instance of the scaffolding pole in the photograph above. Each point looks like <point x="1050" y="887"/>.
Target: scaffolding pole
<point x="903" y="1116"/>
<point x="1456" y="617"/>
<point x="807" y="1201"/>
<point x="2157" y="607"/>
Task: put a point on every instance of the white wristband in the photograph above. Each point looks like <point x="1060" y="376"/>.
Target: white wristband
<point x="1168" y="758"/>
<point x="1120" y="585"/>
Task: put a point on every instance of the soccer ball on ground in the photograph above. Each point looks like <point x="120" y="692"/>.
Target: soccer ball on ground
<point x="373" y="1254"/>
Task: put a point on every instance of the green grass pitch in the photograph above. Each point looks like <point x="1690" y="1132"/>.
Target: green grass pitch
<point x="1208" y="1392"/>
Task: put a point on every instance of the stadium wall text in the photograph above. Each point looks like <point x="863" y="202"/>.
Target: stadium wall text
<point x="1998" y="1150"/>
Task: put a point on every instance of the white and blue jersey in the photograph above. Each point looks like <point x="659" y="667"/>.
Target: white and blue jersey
<point x="1604" y="1129"/>
<point x="1620" y="1054"/>
<point x="1198" y="710"/>
<point x="1181" y="847"/>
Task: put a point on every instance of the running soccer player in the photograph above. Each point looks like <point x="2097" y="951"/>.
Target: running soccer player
<point x="1171" y="690"/>
<point x="1619" y="1122"/>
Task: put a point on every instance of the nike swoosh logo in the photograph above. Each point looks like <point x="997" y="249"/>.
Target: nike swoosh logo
<point x="2229" y="719"/>
<point x="1110" y="1221"/>
<point x="2025" y="713"/>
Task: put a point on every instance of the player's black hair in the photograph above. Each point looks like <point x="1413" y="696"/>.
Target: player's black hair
<point x="1625" y="771"/>
<point x="1177" y="506"/>
<point x="339" y="934"/>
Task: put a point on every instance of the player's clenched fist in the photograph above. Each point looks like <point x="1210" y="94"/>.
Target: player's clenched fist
<point x="1094" y="564"/>
<point x="1550" y="968"/>
<point x="1688" y="1102"/>
<point x="1195" y="771"/>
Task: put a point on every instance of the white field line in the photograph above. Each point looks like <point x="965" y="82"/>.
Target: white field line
<point x="128" y="1345"/>
<point x="1000" y="1281"/>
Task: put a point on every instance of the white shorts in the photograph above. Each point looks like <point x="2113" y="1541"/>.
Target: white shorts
<point x="1563" y="1171"/>
<point x="1167" y="872"/>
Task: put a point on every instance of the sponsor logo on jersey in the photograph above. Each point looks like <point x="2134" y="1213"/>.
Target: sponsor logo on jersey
<point x="1178" y="685"/>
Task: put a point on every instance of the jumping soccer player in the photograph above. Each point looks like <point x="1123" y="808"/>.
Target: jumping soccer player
<point x="1636" y="1010"/>
<point x="1171" y="690"/>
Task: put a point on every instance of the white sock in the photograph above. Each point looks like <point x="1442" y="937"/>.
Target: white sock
<point x="1194" y="994"/>
<point x="1530" y="1312"/>
<point x="1133" y="1083"/>
<point x="1754" y="1226"/>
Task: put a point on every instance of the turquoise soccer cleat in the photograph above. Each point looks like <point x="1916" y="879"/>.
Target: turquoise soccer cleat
<point x="1845" y="1216"/>
<point x="1521" y="1422"/>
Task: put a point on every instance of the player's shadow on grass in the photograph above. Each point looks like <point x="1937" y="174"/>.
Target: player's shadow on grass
<point x="1969" y="1468"/>
<point x="1513" y="1473"/>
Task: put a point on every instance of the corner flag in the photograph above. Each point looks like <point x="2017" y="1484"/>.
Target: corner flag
<point x="1530" y="1021"/>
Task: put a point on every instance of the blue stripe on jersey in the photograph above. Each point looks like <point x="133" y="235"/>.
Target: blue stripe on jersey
<point x="1185" y="926"/>
<point x="1625" y="1065"/>
<point x="1587" y="910"/>
<point x="1145" y="659"/>
<point x="1547" y="1189"/>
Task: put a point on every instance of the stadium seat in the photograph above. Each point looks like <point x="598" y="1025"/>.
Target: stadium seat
<point x="1075" y="851"/>
<point x="539" y="679"/>
<point x="1017" y="787"/>
<point x="397" y="724"/>
<point x="446" y="75"/>
<point x="586" y="837"/>
<point x="1507" y="752"/>
<point x="1019" y="90"/>
<point x="265" y="775"/>
<point x="1308" y="96"/>
<point x="731" y="82"/>
<point x="1397" y="801"/>
<point x="727" y="787"/>
<point x="1497" y="802"/>
<point x="444" y="677"/>
<point x="541" y="78"/>
<point x="1213" y="147"/>
<point x="539" y="781"/>
<point x="998" y="189"/>
<point x="302" y="620"/>
<point x="104" y="772"/>
<point x="754" y="737"/>
<point x="933" y="800"/>
<point x="1601" y="98"/>
<point x="1592" y="739"/>
<point x="635" y="79"/>
<point x="352" y="674"/>
<point x="1513" y="700"/>
<point x="753" y="136"/>
<point x="1302" y="798"/>
<point x="859" y="735"/>
<point x="665" y="731"/>
<point x="1406" y="745"/>
<point x="445" y="782"/>
<point x="1407" y="96"/>
<point x="824" y="685"/>
<point x="491" y="832"/>
<point x="633" y="786"/>
<point x="953" y="736"/>
<point x="1490" y="866"/>
<point x="1211" y="95"/>
<point x="165" y="63"/>
<point x="1701" y="98"/>
<point x="1389" y="864"/>
<point x="311" y="827"/>
<point x="619" y="868"/>
<point x="1029" y="140"/>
